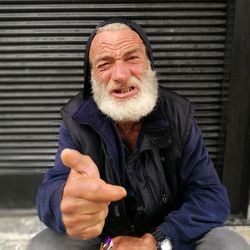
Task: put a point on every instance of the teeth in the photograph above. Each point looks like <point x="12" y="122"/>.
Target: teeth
<point x="125" y="90"/>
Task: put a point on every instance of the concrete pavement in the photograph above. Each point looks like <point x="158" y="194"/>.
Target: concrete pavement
<point x="17" y="229"/>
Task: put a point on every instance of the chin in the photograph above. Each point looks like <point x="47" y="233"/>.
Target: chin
<point x="131" y="110"/>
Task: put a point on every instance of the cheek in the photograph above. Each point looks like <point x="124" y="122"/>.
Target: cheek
<point x="138" y="71"/>
<point x="102" y="77"/>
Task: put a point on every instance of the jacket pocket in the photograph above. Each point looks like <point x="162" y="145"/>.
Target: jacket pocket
<point x="158" y="184"/>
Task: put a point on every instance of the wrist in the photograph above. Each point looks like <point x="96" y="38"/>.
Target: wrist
<point x="162" y="241"/>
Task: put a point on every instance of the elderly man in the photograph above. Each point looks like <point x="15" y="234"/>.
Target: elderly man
<point x="131" y="171"/>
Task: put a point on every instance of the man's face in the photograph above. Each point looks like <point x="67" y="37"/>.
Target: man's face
<point x="118" y="55"/>
<point x="123" y="84"/>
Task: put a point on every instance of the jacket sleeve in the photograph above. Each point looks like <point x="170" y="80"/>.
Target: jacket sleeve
<point x="50" y="192"/>
<point x="205" y="201"/>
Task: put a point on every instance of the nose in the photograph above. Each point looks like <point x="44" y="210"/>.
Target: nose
<point x="120" y="72"/>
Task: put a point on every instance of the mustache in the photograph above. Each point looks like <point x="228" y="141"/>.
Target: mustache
<point x="133" y="82"/>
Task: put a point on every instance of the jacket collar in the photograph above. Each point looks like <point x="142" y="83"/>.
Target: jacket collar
<point x="155" y="125"/>
<point x="89" y="113"/>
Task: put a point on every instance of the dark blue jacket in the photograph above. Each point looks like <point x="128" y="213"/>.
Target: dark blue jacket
<point x="189" y="203"/>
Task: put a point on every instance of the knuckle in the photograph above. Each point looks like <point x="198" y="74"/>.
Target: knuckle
<point x="97" y="231"/>
<point x="66" y="207"/>
<point x="66" y="189"/>
<point x="94" y="231"/>
<point x="98" y="186"/>
<point x="77" y="233"/>
<point x="100" y="217"/>
<point x="86" y="158"/>
<point x="106" y="211"/>
<point x="85" y="233"/>
<point x="68" y="221"/>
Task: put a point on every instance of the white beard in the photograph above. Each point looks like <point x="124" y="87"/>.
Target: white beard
<point x="132" y="109"/>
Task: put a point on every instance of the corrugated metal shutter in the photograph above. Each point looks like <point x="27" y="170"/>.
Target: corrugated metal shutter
<point x="41" y="66"/>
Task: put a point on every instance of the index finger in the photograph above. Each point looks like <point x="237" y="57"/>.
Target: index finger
<point x="97" y="190"/>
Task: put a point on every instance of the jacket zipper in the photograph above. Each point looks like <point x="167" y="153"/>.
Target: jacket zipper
<point x="117" y="211"/>
<point x="132" y="227"/>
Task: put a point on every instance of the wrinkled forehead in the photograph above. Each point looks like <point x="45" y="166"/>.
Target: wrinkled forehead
<point x="115" y="41"/>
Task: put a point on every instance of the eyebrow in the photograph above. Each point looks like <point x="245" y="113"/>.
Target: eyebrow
<point x="132" y="51"/>
<point x="109" y="58"/>
<point x="103" y="58"/>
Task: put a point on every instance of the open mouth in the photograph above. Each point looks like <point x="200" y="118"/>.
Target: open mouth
<point x="123" y="93"/>
<point x="125" y="90"/>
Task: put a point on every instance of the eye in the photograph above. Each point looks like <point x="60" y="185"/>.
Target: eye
<point x="103" y="66"/>
<point x="133" y="57"/>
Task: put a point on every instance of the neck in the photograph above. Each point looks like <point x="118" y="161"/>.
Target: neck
<point x="129" y="132"/>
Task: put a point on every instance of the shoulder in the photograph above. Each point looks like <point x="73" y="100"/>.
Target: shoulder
<point x="174" y="101"/>
<point x="72" y="105"/>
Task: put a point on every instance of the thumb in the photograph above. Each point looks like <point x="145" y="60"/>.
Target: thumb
<point x="79" y="162"/>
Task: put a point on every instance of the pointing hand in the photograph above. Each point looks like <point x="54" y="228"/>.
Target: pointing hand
<point x="86" y="197"/>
